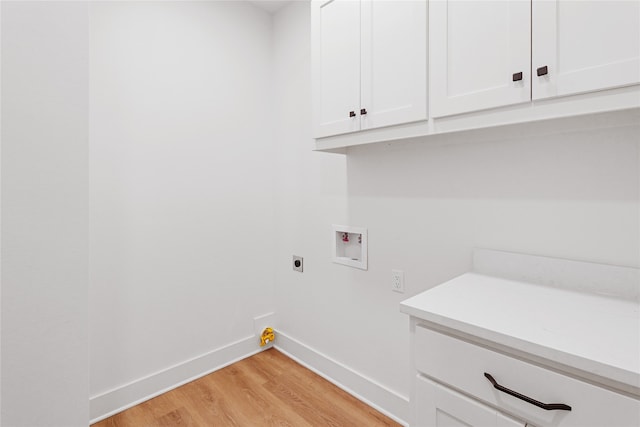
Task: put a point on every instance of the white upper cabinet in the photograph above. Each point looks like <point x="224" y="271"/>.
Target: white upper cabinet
<point x="386" y="70"/>
<point x="480" y="55"/>
<point x="369" y="64"/>
<point x="584" y="45"/>
<point x="336" y="70"/>
<point x="394" y="62"/>
<point x="561" y="47"/>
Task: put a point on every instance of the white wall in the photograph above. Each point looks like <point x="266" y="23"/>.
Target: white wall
<point x="181" y="173"/>
<point x="198" y="202"/>
<point x="573" y="195"/>
<point x="44" y="373"/>
<point x="0" y="212"/>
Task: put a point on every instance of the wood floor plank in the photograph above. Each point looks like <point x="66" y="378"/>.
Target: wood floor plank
<point x="342" y="400"/>
<point x="268" y="389"/>
<point x="177" y="417"/>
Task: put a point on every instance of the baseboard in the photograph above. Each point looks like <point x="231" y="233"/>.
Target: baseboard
<point x="387" y="401"/>
<point x="117" y="400"/>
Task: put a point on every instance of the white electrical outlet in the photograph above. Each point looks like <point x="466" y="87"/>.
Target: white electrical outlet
<point x="397" y="281"/>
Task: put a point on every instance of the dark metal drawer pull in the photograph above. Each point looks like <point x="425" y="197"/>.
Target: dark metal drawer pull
<point x="352" y="113"/>
<point x="542" y="71"/>
<point x="547" y="406"/>
<point x="517" y="76"/>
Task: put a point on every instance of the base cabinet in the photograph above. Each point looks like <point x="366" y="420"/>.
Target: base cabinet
<point x="459" y="383"/>
<point x="513" y="342"/>
<point x="445" y="407"/>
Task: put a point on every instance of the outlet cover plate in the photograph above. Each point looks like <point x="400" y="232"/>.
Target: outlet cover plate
<point x="397" y="281"/>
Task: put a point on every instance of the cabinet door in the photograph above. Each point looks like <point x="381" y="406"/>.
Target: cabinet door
<point x="439" y="406"/>
<point x="585" y="45"/>
<point x="477" y="49"/>
<point x="335" y="66"/>
<point x="394" y="62"/>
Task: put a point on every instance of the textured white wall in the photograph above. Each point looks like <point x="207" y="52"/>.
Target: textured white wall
<point x="45" y="91"/>
<point x="573" y="195"/>
<point x="181" y="175"/>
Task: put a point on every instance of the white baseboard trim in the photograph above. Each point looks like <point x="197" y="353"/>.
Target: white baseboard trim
<point x="117" y="400"/>
<point x="379" y="397"/>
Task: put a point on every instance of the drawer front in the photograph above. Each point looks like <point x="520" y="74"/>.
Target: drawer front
<point x="442" y="407"/>
<point x="462" y="366"/>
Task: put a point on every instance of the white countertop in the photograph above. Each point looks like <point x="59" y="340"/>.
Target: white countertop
<point x="596" y="334"/>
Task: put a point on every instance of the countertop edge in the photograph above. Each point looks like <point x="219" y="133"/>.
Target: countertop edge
<point x="586" y="369"/>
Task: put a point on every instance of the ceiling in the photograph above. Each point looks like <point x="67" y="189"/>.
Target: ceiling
<point x="270" y="6"/>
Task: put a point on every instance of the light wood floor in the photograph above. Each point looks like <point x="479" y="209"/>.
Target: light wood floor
<point x="268" y="389"/>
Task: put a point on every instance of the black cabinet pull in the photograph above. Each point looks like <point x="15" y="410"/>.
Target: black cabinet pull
<point x="542" y="71"/>
<point x="547" y="406"/>
<point x="517" y="76"/>
<point x="363" y="111"/>
<point x="352" y="113"/>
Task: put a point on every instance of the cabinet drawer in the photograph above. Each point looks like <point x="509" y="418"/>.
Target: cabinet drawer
<point x="447" y="408"/>
<point x="462" y="365"/>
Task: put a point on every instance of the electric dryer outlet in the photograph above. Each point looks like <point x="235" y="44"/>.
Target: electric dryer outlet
<point x="298" y="263"/>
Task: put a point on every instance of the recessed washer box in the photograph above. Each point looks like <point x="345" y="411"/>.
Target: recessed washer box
<point x="350" y="246"/>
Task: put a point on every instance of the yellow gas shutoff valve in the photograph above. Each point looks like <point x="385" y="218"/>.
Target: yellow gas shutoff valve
<point x="267" y="336"/>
